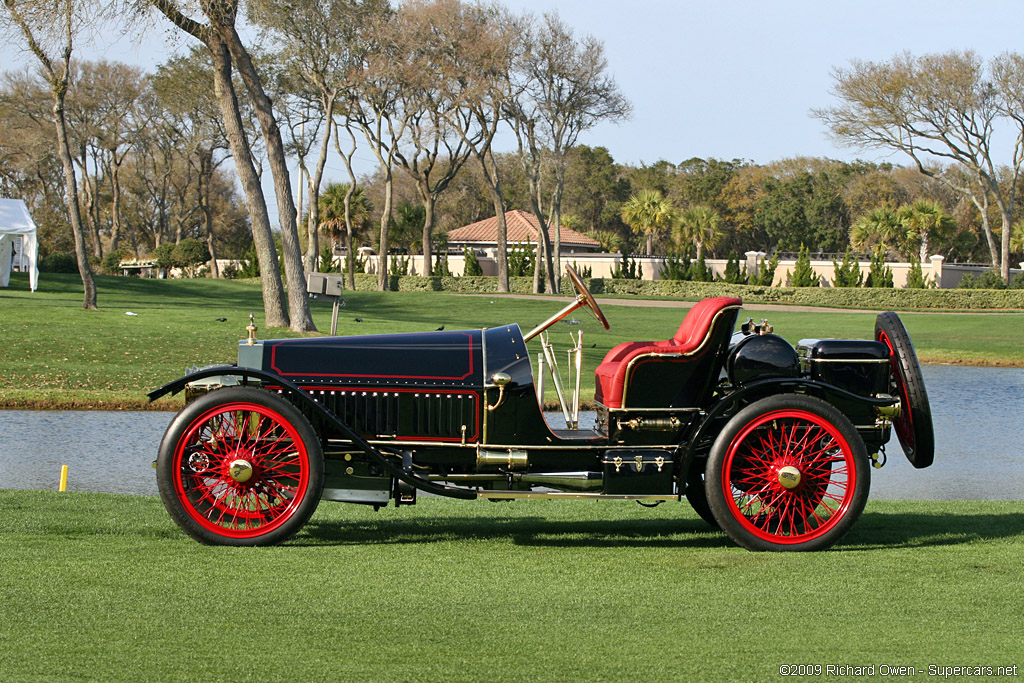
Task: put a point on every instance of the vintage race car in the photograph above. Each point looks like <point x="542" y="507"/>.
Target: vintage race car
<point x="771" y="443"/>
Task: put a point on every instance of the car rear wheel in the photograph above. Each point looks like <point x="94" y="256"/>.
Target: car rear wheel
<point x="914" y="425"/>
<point x="241" y="467"/>
<point x="788" y="472"/>
<point x="697" y="496"/>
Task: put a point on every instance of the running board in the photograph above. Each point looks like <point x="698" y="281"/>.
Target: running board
<point x="566" y="495"/>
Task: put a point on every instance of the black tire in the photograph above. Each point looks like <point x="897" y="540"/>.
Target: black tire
<point x="241" y="467"/>
<point x="788" y="473"/>
<point x="697" y="495"/>
<point x="914" y="425"/>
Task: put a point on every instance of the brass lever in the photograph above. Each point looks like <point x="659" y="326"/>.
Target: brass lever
<point x="501" y="379"/>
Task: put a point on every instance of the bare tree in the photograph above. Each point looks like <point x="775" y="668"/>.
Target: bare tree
<point x="435" y="153"/>
<point x="227" y="100"/>
<point x="221" y="38"/>
<point x="181" y="87"/>
<point x="565" y="90"/>
<point x="320" y="46"/>
<point x="482" y="43"/>
<point x="944" y="107"/>
<point x="347" y="155"/>
<point x="376" y="106"/>
<point x="42" y="23"/>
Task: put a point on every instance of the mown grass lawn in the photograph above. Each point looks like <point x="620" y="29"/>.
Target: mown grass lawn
<point x="56" y="354"/>
<point x="103" y="587"/>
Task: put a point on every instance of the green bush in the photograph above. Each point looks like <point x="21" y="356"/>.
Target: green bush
<point x="440" y="268"/>
<point x="803" y="275"/>
<point x="915" y="277"/>
<point x="990" y="279"/>
<point x="848" y="273"/>
<point x="733" y="274"/>
<point x="675" y="268"/>
<point x="520" y="261"/>
<point x="472" y="267"/>
<point x="765" y="272"/>
<point x="627" y="269"/>
<point x="59" y="262"/>
<point x="112" y="261"/>
<point x="399" y="266"/>
<point x="189" y="253"/>
<point x="879" y="275"/>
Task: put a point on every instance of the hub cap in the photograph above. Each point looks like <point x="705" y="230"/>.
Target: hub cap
<point x="241" y="470"/>
<point x="789" y="477"/>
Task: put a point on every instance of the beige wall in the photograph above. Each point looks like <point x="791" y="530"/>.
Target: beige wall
<point x="945" y="275"/>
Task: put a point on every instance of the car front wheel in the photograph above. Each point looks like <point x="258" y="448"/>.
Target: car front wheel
<point x="240" y="466"/>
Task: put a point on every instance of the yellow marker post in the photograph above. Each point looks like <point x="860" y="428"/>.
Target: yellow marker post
<point x="63" y="477"/>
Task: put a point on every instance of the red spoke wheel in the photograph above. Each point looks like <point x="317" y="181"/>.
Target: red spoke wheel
<point x="788" y="472"/>
<point x="914" y="425"/>
<point x="240" y="466"/>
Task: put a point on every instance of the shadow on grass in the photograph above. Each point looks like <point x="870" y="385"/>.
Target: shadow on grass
<point x="525" y="531"/>
<point x="877" y="530"/>
<point x="874" y="531"/>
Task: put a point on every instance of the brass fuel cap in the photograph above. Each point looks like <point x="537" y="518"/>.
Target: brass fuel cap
<point x="240" y="470"/>
<point x="789" y="477"/>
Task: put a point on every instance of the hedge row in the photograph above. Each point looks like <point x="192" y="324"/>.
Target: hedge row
<point x="840" y="297"/>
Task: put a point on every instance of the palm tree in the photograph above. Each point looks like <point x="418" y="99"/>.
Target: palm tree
<point x="342" y="210"/>
<point x="880" y="225"/>
<point x="700" y="225"/>
<point x="648" y="212"/>
<point x="1017" y="238"/>
<point x="925" y="221"/>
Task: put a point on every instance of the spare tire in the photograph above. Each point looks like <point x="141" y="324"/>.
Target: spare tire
<point x="914" y="425"/>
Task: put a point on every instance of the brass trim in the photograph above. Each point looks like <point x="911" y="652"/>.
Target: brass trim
<point x="501" y="379"/>
<point x="240" y="470"/>
<point x="511" y="458"/>
<point x="578" y="302"/>
<point x="889" y="412"/>
<point x="567" y="495"/>
<point x="251" y="329"/>
<point x="703" y="343"/>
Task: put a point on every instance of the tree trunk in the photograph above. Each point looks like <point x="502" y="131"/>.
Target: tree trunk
<point x="71" y="201"/>
<point x="270" y="277"/>
<point x="92" y="221"/>
<point x="543" y="255"/>
<point x="313" y="226"/>
<point x="429" y="200"/>
<point x="115" y="208"/>
<point x="205" y="176"/>
<point x="385" y="220"/>
<point x="298" y="302"/>
<point x="493" y="182"/>
<point x="350" y="257"/>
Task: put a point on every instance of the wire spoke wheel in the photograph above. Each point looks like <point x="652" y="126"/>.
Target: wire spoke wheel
<point x="787" y="473"/>
<point x="240" y="467"/>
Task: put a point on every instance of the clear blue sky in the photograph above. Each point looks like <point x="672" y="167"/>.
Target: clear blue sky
<point x="724" y="79"/>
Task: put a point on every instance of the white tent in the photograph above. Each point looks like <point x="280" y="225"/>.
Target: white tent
<point x="15" y="223"/>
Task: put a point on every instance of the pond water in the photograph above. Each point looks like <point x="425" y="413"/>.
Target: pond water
<point x="978" y="415"/>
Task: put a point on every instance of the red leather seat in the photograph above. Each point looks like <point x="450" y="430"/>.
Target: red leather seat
<point x="691" y="336"/>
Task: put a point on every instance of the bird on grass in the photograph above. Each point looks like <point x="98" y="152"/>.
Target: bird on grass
<point x="359" y="320"/>
<point x="222" y="320"/>
<point x="439" y="329"/>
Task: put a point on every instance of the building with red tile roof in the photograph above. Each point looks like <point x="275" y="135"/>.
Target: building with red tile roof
<point x="523" y="228"/>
